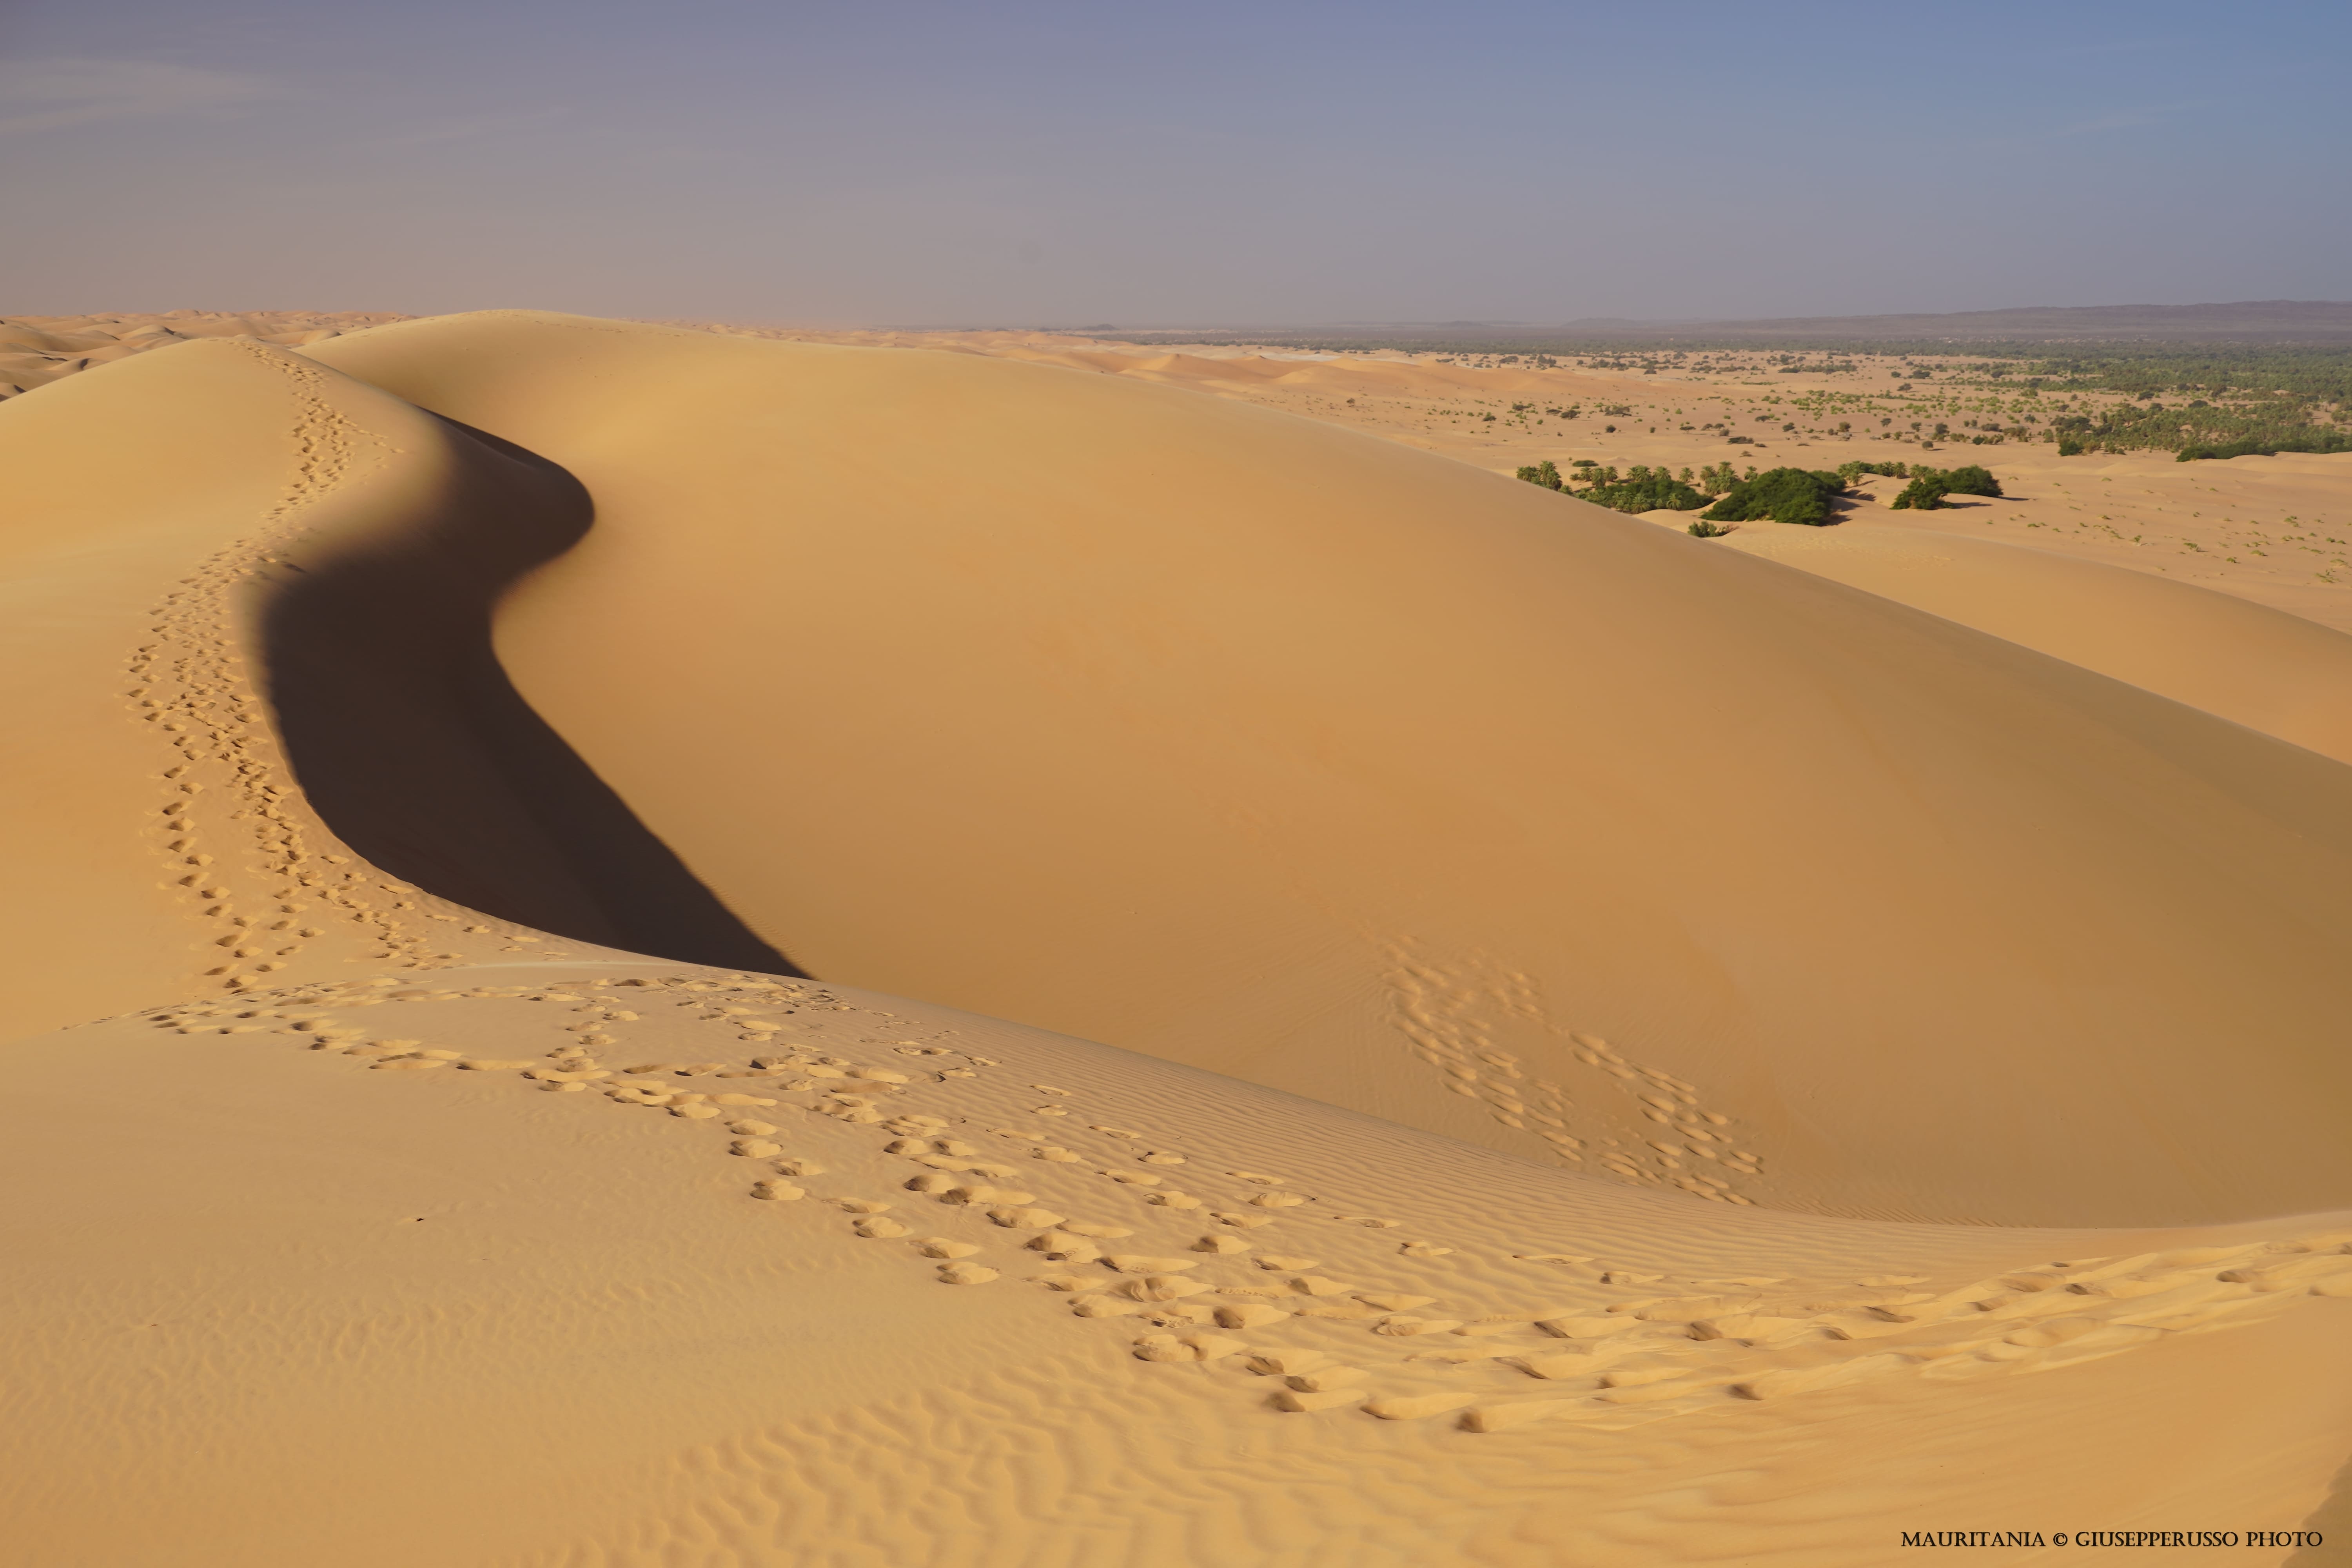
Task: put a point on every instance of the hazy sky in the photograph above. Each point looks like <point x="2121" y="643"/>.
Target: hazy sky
<point x="1179" y="163"/>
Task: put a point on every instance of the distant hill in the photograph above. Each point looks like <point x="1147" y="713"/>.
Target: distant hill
<point x="2261" y="321"/>
<point x="2251" y="321"/>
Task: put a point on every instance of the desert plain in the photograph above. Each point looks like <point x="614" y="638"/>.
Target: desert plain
<point x="652" y="944"/>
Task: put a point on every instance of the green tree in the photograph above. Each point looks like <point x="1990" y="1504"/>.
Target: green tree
<point x="1645" y="490"/>
<point x="1782" y="495"/>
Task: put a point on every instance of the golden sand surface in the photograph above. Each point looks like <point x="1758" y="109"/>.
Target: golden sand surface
<point x="1452" y="1024"/>
<point x="2277" y="531"/>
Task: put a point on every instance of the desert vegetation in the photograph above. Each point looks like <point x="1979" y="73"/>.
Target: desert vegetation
<point x="1781" y="495"/>
<point x="1928" y="487"/>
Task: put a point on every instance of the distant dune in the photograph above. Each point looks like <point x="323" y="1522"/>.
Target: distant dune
<point x="637" y="947"/>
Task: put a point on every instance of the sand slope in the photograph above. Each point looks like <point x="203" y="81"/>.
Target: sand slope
<point x="2245" y="662"/>
<point x="1257" y="744"/>
<point x="354" y="1312"/>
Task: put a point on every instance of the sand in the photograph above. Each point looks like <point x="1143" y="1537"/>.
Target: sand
<point x="2276" y="531"/>
<point x="37" y="351"/>
<point x="1453" y="1026"/>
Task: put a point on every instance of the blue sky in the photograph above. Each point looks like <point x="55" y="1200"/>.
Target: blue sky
<point x="1196" y="164"/>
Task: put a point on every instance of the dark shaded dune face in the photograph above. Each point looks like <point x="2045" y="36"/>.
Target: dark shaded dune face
<point x="411" y="742"/>
<point x="1263" y="746"/>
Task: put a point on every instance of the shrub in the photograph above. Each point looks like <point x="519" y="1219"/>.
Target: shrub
<point x="1928" y="487"/>
<point x="1702" y="528"/>
<point x="2072" y="447"/>
<point x="1544" y="473"/>
<point x="1783" y="495"/>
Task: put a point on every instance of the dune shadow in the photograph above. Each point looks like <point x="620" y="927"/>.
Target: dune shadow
<point x="416" y="750"/>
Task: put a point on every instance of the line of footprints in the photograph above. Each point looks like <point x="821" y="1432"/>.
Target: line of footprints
<point x="1447" y="1014"/>
<point x="1213" y="1275"/>
<point x="242" y="845"/>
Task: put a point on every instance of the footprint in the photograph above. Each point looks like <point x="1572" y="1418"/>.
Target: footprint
<point x="1291" y="1400"/>
<point x="965" y="1274"/>
<point x="1417" y="1407"/>
<point x="1584" y="1328"/>
<point x="1248" y="1315"/>
<point x="1323" y="1380"/>
<point x="1554" y="1368"/>
<point x="1503" y="1417"/>
<point x="941" y="1246"/>
<point x="1128" y="1263"/>
<point x="778" y="1190"/>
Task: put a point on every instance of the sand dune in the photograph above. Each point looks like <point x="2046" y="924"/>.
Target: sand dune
<point x="2271" y="530"/>
<point x="446" y="1170"/>
<point x="36" y="350"/>
<point x="1259" y="745"/>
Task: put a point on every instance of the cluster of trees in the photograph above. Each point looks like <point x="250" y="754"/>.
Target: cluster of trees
<point x="1646" y="489"/>
<point x="1849" y="473"/>
<point x="1717" y="478"/>
<point x="2321" y="373"/>
<point x="2229" y="402"/>
<point x="2257" y="446"/>
<point x="1928" y="487"/>
<point x="1640" y="489"/>
<point x="1782" y="495"/>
